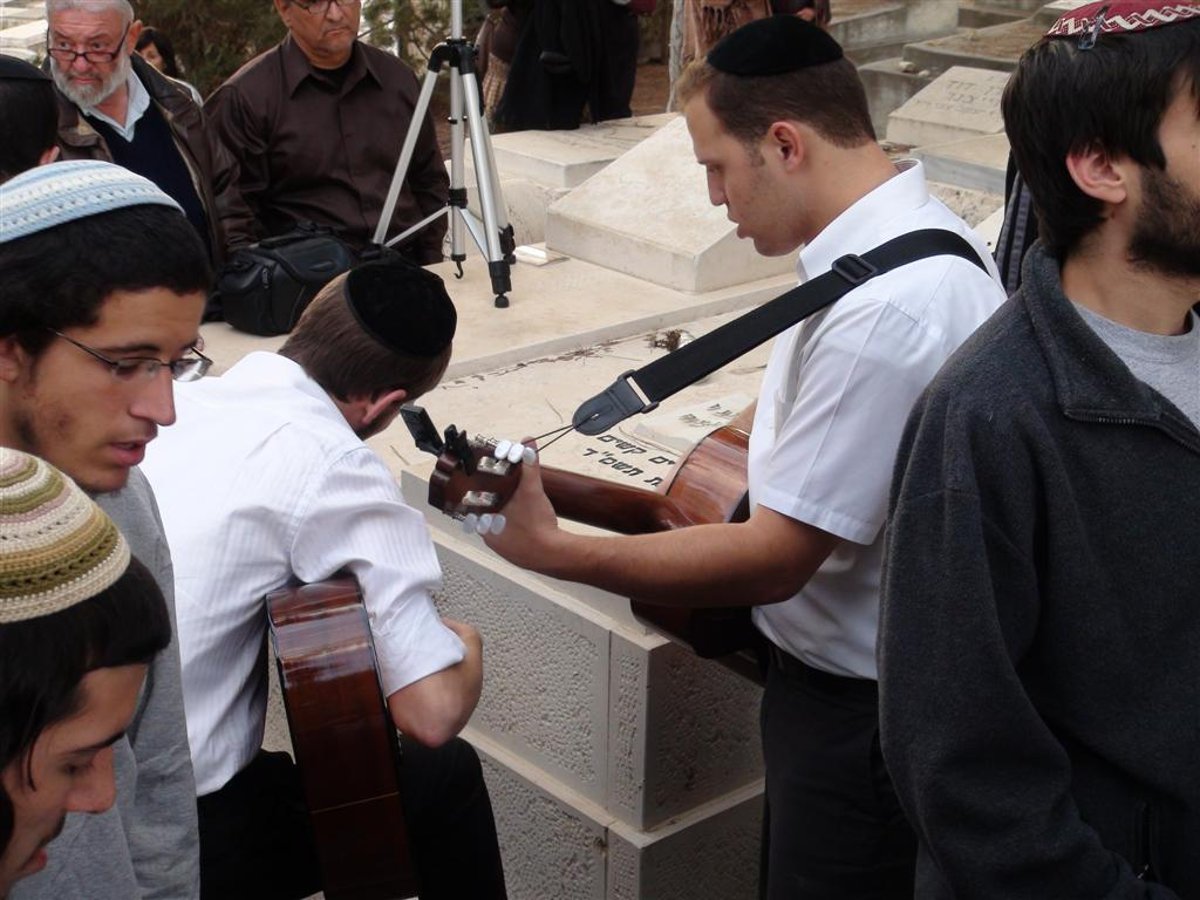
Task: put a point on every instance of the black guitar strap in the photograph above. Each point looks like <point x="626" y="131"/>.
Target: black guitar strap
<point x="641" y="391"/>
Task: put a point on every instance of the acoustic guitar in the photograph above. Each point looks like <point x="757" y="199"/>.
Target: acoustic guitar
<point x="343" y="738"/>
<point x="709" y="486"/>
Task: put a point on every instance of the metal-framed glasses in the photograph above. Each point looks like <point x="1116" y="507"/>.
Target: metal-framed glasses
<point x="145" y="368"/>
<point x="67" y="55"/>
<point x="321" y="7"/>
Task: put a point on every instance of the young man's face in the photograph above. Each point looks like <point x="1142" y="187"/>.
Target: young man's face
<point x="743" y="181"/>
<point x="68" y="407"/>
<point x="69" y="769"/>
<point x="1166" y="235"/>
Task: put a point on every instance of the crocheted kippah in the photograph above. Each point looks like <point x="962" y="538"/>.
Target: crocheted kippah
<point x="1123" y="16"/>
<point x="52" y="195"/>
<point x="402" y="306"/>
<point x="774" y="46"/>
<point x="57" y="547"/>
<point x="13" y="69"/>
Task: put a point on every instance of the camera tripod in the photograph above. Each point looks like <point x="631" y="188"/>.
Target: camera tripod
<point x="494" y="236"/>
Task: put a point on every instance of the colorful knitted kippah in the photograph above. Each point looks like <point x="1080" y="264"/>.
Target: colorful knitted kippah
<point x="57" y="547"/>
<point x="48" y="196"/>
<point x="1123" y="16"/>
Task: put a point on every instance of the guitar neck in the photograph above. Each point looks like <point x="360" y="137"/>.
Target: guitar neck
<point x="613" y="507"/>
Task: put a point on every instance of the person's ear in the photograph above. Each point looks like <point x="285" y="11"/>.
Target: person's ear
<point x="12" y="359"/>
<point x="49" y="155"/>
<point x="1100" y="175"/>
<point x="135" y="32"/>
<point x="786" y="142"/>
<point x="383" y="407"/>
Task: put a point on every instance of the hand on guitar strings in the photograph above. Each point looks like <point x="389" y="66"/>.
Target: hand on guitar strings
<point x="531" y="524"/>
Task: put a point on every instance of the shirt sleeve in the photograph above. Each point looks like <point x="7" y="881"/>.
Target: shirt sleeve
<point x="840" y="416"/>
<point x="239" y="152"/>
<point x="981" y="776"/>
<point x="354" y="518"/>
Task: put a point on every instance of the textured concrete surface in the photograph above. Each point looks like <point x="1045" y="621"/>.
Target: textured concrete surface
<point x="961" y="103"/>
<point x="979" y="163"/>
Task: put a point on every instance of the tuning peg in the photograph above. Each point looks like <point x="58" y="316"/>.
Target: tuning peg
<point x="488" y="523"/>
<point x="514" y="452"/>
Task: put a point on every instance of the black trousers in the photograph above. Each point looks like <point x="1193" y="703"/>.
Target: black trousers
<point x="832" y="827"/>
<point x="256" y="840"/>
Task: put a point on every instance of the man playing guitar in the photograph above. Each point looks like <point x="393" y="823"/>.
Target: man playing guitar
<point x="779" y="120"/>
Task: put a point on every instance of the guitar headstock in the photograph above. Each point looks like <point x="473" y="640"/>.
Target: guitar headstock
<point x="468" y="478"/>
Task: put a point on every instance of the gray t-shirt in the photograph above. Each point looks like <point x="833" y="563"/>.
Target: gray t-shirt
<point x="1169" y="363"/>
<point x="147" y="847"/>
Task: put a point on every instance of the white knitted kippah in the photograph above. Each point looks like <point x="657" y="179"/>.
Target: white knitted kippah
<point x="57" y="547"/>
<point x="51" y="195"/>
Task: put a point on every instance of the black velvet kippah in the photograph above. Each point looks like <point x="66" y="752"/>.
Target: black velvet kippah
<point x="774" y="46"/>
<point x="13" y="69"/>
<point x="402" y="306"/>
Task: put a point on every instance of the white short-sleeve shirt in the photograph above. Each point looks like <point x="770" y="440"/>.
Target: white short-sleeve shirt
<point x="262" y="479"/>
<point x="837" y="391"/>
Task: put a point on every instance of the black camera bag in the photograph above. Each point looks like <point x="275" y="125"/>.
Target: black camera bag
<point x="265" y="287"/>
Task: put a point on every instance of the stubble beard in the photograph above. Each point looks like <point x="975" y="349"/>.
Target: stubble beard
<point x="1166" y="238"/>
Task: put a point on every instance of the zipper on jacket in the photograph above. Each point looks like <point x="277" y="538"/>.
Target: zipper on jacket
<point x="1143" y="843"/>
<point x="1185" y="438"/>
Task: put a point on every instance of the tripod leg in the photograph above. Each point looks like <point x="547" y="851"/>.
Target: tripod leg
<point x="458" y="191"/>
<point x="508" y="241"/>
<point x="406" y="155"/>
<point x="498" y="267"/>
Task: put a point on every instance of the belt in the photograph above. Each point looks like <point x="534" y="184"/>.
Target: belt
<point x="791" y="667"/>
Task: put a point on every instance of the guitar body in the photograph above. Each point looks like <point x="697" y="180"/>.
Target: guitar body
<point x="710" y="486"/>
<point x="344" y="741"/>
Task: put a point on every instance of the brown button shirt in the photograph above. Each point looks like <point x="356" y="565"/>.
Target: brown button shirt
<point x="321" y="146"/>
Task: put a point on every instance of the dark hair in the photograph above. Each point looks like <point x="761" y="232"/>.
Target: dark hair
<point x="43" y="661"/>
<point x="29" y="123"/>
<point x="1063" y="100"/>
<point x="829" y="98"/>
<point x="59" y="278"/>
<point x="163" y="45"/>
<point x="335" y="351"/>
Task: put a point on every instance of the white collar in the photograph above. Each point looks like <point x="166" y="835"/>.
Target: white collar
<point x="858" y="228"/>
<point x="139" y="102"/>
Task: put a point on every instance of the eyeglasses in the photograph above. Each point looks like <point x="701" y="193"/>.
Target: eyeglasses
<point x="68" y="56"/>
<point x="133" y="368"/>
<point x="321" y="7"/>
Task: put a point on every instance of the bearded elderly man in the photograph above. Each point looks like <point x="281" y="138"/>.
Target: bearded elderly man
<point x="116" y="107"/>
<point x="316" y="125"/>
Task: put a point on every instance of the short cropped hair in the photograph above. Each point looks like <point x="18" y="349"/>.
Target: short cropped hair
<point x="1063" y="100"/>
<point x="60" y="277"/>
<point x="829" y="98"/>
<point x="332" y="347"/>
<point x="124" y="7"/>
<point x="44" y="659"/>
<point x="29" y="122"/>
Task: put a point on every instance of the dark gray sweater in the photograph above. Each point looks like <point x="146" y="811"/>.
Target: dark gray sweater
<point x="1040" y="636"/>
